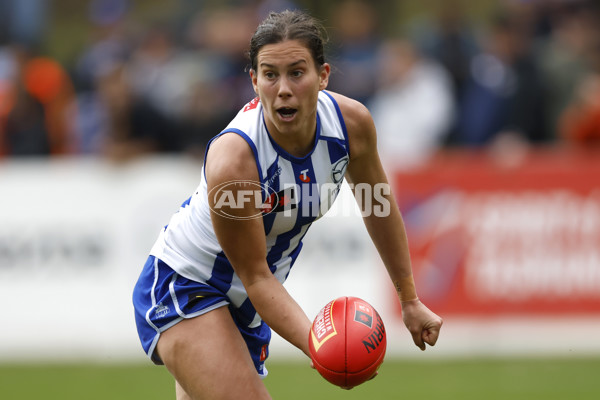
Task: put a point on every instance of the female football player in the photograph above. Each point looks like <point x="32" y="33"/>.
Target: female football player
<point x="211" y="289"/>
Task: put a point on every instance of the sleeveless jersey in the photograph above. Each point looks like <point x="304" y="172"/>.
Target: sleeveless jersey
<point x="294" y="191"/>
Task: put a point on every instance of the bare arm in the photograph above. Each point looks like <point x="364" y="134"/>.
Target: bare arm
<point x="385" y="224"/>
<point x="244" y="243"/>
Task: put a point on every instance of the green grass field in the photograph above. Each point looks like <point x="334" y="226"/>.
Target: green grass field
<point x="513" y="379"/>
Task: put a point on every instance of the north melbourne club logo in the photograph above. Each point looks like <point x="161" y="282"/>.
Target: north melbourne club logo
<point x="339" y="170"/>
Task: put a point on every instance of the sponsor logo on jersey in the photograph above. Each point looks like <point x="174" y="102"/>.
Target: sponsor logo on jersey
<point x="252" y="104"/>
<point x="276" y="174"/>
<point x="303" y="176"/>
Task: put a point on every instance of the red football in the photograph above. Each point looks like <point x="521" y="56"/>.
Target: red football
<point x="347" y="341"/>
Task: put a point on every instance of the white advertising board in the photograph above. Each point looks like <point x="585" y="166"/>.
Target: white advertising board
<point x="74" y="234"/>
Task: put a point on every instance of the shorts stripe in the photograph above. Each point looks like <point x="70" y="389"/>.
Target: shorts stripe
<point x="162" y="298"/>
<point x="153" y="297"/>
<point x="173" y="296"/>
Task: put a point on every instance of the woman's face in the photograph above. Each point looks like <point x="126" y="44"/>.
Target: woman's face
<point x="288" y="82"/>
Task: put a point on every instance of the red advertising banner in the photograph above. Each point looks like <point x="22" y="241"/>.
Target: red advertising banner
<point x="492" y="239"/>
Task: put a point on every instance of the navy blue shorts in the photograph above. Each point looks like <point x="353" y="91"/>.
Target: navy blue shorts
<point x="162" y="298"/>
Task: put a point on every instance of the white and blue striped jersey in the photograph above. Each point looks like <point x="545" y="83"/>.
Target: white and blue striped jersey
<point x="295" y="192"/>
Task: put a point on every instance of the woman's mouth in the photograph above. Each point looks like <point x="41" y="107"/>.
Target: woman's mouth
<point x="287" y="113"/>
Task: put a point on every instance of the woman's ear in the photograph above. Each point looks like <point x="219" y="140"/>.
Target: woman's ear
<point x="254" y="78"/>
<point x="324" y="76"/>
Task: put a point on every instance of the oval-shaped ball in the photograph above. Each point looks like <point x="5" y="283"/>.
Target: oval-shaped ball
<point x="347" y="341"/>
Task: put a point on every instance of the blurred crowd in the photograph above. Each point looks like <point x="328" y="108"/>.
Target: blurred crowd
<point x="526" y="75"/>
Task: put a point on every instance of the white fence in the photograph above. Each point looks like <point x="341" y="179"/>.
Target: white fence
<point x="74" y="234"/>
